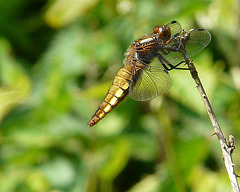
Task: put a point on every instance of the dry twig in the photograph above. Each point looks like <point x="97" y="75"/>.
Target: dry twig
<point x="227" y="146"/>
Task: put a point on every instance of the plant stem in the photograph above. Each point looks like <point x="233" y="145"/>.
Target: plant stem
<point x="227" y="146"/>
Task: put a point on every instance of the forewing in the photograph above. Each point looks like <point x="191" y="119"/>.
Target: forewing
<point x="175" y="27"/>
<point x="152" y="82"/>
<point x="199" y="39"/>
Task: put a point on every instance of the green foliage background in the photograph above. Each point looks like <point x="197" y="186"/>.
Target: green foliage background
<point x="57" y="61"/>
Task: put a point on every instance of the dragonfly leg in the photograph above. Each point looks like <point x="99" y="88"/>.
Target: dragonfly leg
<point x="172" y="38"/>
<point x="165" y="62"/>
<point x="179" y="68"/>
<point x="162" y="60"/>
<point x="167" y="49"/>
<point x="174" y="47"/>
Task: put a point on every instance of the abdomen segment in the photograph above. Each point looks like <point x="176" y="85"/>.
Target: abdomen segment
<point x="116" y="93"/>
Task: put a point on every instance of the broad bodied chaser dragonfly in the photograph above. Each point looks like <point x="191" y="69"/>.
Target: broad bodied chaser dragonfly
<point x="140" y="79"/>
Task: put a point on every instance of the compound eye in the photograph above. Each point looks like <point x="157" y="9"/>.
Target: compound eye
<point x="165" y="33"/>
<point x="156" y="30"/>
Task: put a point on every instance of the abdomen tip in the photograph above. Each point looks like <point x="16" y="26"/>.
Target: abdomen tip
<point x="91" y="123"/>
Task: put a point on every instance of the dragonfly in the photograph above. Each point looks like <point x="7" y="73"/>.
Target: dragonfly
<point x="140" y="77"/>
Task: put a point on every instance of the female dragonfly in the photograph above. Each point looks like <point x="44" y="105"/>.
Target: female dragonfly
<point x="139" y="78"/>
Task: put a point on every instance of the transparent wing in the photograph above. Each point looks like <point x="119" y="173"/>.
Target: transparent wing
<point x="175" y="27"/>
<point x="199" y="39"/>
<point x="150" y="82"/>
<point x="173" y="57"/>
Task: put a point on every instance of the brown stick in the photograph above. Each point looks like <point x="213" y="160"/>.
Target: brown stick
<point x="227" y="146"/>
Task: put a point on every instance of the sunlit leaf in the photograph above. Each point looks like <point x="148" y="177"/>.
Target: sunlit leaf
<point x="16" y="85"/>
<point x="62" y="12"/>
<point x="116" y="162"/>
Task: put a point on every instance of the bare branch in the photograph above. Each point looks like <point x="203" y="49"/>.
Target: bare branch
<point x="227" y="146"/>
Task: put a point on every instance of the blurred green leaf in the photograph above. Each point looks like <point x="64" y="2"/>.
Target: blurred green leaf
<point x="61" y="13"/>
<point x="16" y="85"/>
<point x="59" y="172"/>
<point x="116" y="161"/>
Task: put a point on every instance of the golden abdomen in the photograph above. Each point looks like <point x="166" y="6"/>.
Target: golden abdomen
<point x="116" y="93"/>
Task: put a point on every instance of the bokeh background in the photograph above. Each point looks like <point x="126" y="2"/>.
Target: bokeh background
<point x="57" y="61"/>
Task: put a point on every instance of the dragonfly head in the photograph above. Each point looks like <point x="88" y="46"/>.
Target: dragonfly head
<point x="163" y="31"/>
